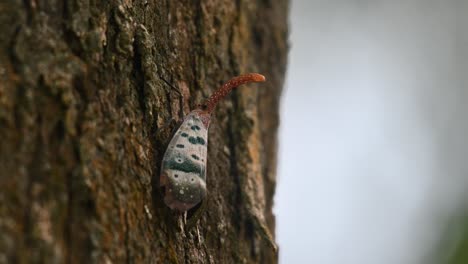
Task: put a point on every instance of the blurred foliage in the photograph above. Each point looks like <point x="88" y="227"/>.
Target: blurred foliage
<point x="453" y="247"/>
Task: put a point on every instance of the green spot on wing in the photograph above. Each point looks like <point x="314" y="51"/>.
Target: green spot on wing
<point x="201" y="141"/>
<point x="185" y="166"/>
<point x="197" y="140"/>
<point x="192" y="140"/>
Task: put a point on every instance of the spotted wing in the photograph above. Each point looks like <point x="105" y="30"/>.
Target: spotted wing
<point x="183" y="172"/>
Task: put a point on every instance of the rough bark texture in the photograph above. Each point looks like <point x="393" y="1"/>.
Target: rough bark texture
<point x="86" y="114"/>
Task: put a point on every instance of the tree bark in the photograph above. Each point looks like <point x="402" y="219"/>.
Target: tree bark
<point x="90" y="94"/>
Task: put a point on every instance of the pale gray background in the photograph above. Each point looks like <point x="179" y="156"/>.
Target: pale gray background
<point x="373" y="137"/>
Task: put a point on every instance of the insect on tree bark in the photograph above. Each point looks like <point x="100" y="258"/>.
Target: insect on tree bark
<point x="86" y="114"/>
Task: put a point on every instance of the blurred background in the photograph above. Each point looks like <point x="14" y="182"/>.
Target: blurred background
<point x="374" y="133"/>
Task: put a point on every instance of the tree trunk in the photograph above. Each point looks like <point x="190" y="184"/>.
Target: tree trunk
<point x="90" y="94"/>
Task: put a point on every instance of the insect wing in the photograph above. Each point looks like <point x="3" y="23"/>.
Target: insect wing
<point x="183" y="172"/>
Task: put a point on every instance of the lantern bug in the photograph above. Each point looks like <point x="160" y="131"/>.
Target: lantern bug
<point x="183" y="170"/>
